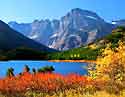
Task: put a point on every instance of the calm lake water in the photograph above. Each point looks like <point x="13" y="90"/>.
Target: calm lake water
<point x="60" y="67"/>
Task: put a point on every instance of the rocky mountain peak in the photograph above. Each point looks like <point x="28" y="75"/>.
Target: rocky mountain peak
<point x="77" y="12"/>
<point x="78" y="27"/>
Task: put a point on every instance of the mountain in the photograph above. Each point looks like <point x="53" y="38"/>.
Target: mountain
<point x="40" y="31"/>
<point x="11" y="39"/>
<point x="78" y="27"/>
<point x="24" y="28"/>
<point x="92" y="50"/>
<point x="119" y="23"/>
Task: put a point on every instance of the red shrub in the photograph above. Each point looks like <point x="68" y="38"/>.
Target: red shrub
<point x="44" y="82"/>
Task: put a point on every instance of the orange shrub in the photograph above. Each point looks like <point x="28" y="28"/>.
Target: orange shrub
<point x="42" y="82"/>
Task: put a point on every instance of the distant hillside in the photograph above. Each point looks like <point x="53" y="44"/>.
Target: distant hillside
<point x="14" y="45"/>
<point x="91" y="51"/>
<point x="25" y="54"/>
<point x="10" y="39"/>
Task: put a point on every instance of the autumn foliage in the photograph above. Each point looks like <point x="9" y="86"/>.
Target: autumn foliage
<point x="43" y="82"/>
<point x="111" y="64"/>
<point x="110" y="69"/>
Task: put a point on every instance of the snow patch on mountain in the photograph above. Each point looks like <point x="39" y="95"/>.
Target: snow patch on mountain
<point x="91" y="17"/>
<point x="34" y="36"/>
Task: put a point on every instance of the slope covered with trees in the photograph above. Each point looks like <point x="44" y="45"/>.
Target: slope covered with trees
<point x="91" y="51"/>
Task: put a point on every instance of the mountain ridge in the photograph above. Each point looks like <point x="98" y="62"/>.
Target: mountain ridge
<point x="11" y="39"/>
<point x="78" y="27"/>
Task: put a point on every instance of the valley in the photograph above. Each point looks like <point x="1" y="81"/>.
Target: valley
<point x="62" y="48"/>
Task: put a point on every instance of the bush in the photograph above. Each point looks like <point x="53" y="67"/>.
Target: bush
<point x="46" y="69"/>
<point x="110" y="68"/>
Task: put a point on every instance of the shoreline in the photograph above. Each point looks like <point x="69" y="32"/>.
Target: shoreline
<point x="80" y="61"/>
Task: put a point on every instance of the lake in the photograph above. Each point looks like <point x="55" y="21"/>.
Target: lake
<point x="60" y="67"/>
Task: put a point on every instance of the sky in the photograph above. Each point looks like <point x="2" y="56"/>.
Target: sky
<point x="29" y="10"/>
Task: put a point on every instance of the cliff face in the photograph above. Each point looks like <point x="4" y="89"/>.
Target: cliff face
<point x="76" y="28"/>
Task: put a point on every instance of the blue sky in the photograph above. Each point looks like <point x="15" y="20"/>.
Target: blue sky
<point x="29" y="10"/>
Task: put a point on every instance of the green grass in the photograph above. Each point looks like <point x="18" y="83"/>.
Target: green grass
<point x="76" y="54"/>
